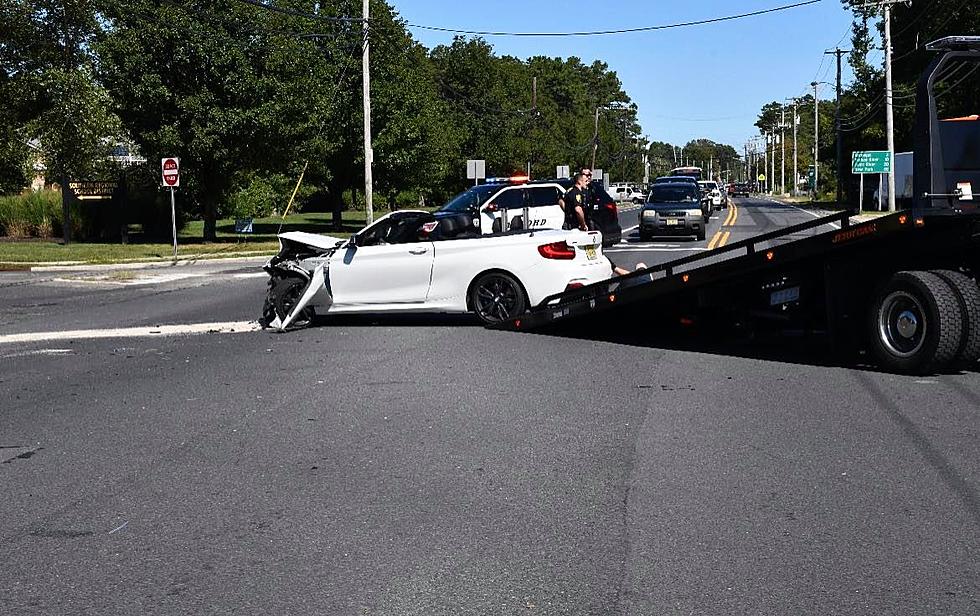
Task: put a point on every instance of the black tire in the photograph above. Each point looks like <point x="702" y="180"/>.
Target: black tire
<point x="644" y="237"/>
<point x="497" y="297"/>
<point x="282" y="296"/>
<point x="915" y="323"/>
<point x="701" y="234"/>
<point x="968" y="296"/>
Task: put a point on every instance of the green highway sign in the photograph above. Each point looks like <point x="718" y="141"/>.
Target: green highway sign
<point x="871" y="161"/>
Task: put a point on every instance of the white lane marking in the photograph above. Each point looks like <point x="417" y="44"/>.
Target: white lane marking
<point x="831" y="224"/>
<point x="227" y="327"/>
<point x="254" y="275"/>
<point x="38" y="352"/>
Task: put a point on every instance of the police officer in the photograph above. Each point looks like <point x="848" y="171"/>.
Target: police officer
<point x="591" y="200"/>
<point x="574" y="204"/>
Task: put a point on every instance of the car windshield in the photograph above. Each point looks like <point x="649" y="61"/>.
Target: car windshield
<point x="471" y="199"/>
<point x="709" y="185"/>
<point x="672" y="194"/>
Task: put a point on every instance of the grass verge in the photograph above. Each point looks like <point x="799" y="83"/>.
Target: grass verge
<point x="21" y="253"/>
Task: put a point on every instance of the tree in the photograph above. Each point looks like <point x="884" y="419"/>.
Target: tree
<point x="46" y="77"/>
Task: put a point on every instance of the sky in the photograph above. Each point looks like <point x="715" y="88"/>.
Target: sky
<point x="707" y="81"/>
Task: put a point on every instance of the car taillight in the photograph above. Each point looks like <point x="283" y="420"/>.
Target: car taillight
<point x="557" y="250"/>
<point x="574" y="285"/>
<point x="611" y="206"/>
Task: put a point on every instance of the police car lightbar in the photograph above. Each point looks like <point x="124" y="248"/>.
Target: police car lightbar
<point x="955" y="43"/>
<point x="514" y="179"/>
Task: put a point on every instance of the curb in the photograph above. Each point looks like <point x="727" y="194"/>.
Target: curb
<point x="96" y="267"/>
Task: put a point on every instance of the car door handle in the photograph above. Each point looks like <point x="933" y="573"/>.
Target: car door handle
<point x="418" y="251"/>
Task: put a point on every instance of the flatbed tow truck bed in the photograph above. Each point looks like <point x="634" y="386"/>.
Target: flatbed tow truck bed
<point x="834" y="282"/>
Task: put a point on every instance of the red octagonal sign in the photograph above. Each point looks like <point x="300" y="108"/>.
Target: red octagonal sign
<point x="171" y="171"/>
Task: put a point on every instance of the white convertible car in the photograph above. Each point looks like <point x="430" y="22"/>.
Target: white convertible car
<point x="412" y="261"/>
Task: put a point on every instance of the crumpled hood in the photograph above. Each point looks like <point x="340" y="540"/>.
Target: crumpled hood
<point x="324" y="242"/>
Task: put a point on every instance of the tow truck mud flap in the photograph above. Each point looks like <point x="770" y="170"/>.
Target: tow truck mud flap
<point x="315" y="286"/>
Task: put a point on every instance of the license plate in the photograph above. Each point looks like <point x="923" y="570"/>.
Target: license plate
<point x="590" y="252"/>
<point x="672" y="221"/>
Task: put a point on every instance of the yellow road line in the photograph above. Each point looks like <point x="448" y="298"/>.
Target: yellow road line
<point x="714" y="240"/>
<point x="728" y="219"/>
<point x="734" y="216"/>
<point x="724" y="238"/>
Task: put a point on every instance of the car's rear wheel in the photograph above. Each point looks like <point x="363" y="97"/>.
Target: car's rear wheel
<point x="497" y="297"/>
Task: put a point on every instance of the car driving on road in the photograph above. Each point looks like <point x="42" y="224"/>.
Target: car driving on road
<point x="672" y="208"/>
<point x="704" y="201"/>
<point x="712" y="192"/>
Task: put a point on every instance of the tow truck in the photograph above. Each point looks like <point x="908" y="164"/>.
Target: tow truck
<point x="903" y="286"/>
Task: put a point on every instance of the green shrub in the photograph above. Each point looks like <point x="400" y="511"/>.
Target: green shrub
<point x="260" y="196"/>
<point x="32" y="214"/>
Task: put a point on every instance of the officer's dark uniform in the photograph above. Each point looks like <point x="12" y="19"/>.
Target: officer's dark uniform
<point x="574" y="197"/>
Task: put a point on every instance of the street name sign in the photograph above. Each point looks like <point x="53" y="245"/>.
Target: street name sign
<point x="170" y="168"/>
<point x="871" y="161"/>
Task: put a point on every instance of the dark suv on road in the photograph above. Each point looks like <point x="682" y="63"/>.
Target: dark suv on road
<point x="672" y="208"/>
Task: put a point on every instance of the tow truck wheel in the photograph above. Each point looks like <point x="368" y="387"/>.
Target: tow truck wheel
<point x="496" y="297"/>
<point x="916" y="323"/>
<point x="968" y="297"/>
<point x="284" y="294"/>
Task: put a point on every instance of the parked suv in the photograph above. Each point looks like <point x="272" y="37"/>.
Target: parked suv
<point x="493" y="203"/>
<point x="499" y="206"/>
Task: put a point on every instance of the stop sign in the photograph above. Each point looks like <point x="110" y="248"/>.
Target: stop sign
<point x="171" y="171"/>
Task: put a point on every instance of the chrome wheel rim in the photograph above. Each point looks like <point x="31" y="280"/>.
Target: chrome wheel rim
<point x="902" y="324"/>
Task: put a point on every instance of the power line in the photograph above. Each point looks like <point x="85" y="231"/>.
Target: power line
<point x="295" y="13"/>
<point x="699" y="22"/>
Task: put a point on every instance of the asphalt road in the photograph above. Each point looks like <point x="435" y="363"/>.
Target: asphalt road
<point x="425" y="465"/>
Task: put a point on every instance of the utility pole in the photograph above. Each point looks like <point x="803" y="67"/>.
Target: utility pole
<point x="837" y="127"/>
<point x="816" y="141"/>
<point x="368" y="150"/>
<point x="765" y="162"/>
<point x="889" y="111"/>
<point x="772" y="160"/>
<point x="595" y="136"/>
<point x="782" y="145"/>
<point x="796" y="173"/>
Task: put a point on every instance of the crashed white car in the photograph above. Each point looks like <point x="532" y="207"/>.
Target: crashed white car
<point x="412" y="261"/>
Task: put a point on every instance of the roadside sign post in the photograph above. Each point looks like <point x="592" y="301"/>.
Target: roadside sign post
<point x="562" y="172"/>
<point x="870" y="161"/>
<point x="476" y="170"/>
<point x="170" y="171"/>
